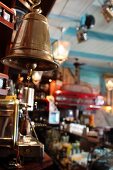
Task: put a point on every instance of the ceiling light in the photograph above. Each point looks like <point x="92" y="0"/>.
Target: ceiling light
<point x="86" y="22"/>
<point x="60" y="50"/>
<point x="108" y="82"/>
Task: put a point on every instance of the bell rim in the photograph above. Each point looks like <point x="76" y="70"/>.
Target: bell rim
<point x="48" y="65"/>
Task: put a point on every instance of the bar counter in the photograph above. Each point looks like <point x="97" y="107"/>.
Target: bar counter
<point x="45" y="163"/>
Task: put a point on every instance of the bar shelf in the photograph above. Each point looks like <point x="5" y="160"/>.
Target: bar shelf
<point x="6" y="16"/>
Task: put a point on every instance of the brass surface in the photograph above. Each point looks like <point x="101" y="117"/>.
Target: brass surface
<point x="9" y="119"/>
<point x="31" y="45"/>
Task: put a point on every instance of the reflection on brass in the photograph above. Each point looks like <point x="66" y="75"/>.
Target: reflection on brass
<point x="9" y="117"/>
<point x="31" y="45"/>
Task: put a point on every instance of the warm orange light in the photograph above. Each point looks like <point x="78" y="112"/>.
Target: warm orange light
<point x="107" y="108"/>
<point x="109" y="83"/>
<point x="60" y="50"/>
<point x="36" y="77"/>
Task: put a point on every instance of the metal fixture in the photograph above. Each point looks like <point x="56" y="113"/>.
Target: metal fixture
<point x="77" y="71"/>
<point x="107" y="10"/>
<point x="31" y="48"/>
<point x="78" y="85"/>
<point x="81" y="34"/>
<point x="86" y="22"/>
<point x="29" y="4"/>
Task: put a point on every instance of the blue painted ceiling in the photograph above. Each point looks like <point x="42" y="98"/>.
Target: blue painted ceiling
<point x="97" y="52"/>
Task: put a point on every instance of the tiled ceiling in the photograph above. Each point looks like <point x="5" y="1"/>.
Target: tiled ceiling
<point x="97" y="51"/>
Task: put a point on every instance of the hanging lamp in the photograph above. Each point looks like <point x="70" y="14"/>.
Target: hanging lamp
<point x="108" y="81"/>
<point x="60" y="49"/>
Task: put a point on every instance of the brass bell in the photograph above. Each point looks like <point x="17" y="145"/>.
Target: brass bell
<point x="31" y="48"/>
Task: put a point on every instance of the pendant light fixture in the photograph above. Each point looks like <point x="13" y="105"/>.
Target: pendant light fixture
<point x="31" y="48"/>
<point x="108" y="78"/>
<point x="60" y="49"/>
<point x="108" y="81"/>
